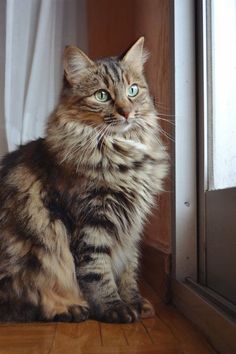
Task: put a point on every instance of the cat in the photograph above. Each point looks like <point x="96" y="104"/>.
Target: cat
<point x="73" y="204"/>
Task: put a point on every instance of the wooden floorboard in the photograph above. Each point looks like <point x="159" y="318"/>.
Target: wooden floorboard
<point x="26" y="339"/>
<point x="168" y="333"/>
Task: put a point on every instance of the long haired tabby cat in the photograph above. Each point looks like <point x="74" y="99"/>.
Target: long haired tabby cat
<point x="72" y="205"/>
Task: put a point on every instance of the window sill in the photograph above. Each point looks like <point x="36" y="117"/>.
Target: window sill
<point x="204" y="313"/>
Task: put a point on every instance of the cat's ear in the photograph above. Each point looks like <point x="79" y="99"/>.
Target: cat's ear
<point x="136" y="56"/>
<point x="74" y="62"/>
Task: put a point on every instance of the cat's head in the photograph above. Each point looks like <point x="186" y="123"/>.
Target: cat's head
<point x="110" y="92"/>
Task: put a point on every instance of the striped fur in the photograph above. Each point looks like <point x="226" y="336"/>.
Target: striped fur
<point x="72" y="205"/>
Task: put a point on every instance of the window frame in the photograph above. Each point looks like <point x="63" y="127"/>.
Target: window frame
<point x="185" y="236"/>
<point x="198" y="304"/>
<point x="207" y="198"/>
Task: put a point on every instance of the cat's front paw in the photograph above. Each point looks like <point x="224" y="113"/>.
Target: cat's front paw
<point x="143" y="308"/>
<point x="75" y="313"/>
<point x="118" y="312"/>
<point x="79" y="313"/>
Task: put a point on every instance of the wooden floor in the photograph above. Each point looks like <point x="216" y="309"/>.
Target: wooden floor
<point x="168" y="333"/>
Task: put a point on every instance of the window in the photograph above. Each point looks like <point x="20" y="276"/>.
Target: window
<point x="205" y="107"/>
<point x="221" y="32"/>
<point x="217" y="141"/>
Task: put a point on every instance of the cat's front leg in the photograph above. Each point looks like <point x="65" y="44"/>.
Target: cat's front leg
<point x="129" y="291"/>
<point x="127" y="285"/>
<point x="95" y="277"/>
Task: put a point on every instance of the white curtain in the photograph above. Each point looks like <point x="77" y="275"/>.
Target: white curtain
<point x="36" y="34"/>
<point x="3" y="141"/>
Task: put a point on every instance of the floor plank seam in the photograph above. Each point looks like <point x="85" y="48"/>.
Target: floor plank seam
<point x="170" y="329"/>
<point x="100" y="331"/>
<point x="53" y="340"/>
<point x="126" y="339"/>
<point x="148" y="334"/>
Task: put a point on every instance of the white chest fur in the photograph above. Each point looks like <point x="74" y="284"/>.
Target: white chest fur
<point x="119" y="260"/>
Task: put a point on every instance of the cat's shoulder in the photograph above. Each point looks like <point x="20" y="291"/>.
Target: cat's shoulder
<point x="27" y="154"/>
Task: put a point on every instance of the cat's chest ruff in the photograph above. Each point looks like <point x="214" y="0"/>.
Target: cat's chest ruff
<point x="125" y="159"/>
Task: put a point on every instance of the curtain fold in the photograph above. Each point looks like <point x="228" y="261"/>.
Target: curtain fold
<point x="3" y="140"/>
<point x="36" y="34"/>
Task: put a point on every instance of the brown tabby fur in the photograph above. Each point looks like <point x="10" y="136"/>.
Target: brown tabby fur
<point x="72" y="205"/>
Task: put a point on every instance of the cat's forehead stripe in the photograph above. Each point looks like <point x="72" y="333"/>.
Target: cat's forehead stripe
<point x="106" y="81"/>
<point x="107" y="71"/>
<point x="115" y="70"/>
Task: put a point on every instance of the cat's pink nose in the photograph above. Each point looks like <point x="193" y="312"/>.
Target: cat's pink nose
<point x="124" y="112"/>
<point x="126" y="115"/>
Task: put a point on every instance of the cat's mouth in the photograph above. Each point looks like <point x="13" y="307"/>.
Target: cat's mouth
<point x="120" y="125"/>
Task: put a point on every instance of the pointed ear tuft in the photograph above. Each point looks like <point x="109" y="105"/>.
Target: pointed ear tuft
<point x="74" y="62"/>
<point x="136" y="56"/>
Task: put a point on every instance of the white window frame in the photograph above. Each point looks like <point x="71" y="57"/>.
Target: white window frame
<point x="185" y="242"/>
<point x="188" y="296"/>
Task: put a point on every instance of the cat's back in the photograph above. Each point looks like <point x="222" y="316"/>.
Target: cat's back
<point x="33" y="156"/>
<point x="21" y="172"/>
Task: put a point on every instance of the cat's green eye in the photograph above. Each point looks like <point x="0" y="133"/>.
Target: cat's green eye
<point x="102" y="96"/>
<point x="133" y="90"/>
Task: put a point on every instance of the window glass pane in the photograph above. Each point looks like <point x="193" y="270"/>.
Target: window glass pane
<point x="222" y="144"/>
